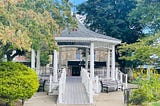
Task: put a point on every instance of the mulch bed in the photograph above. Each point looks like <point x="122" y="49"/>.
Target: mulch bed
<point x="17" y="104"/>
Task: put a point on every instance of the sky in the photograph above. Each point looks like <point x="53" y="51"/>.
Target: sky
<point x="76" y="2"/>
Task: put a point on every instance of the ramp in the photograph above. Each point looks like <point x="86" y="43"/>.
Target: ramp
<point x="75" y="92"/>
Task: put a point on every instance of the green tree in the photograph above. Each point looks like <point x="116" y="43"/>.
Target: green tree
<point x="17" y="82"/>
<point x="147" y="13"/>
<point x="110" y="17"/>
<point x="29" y="24"/>
<point x="141" y="50"/>
<point x="44" y="58"/>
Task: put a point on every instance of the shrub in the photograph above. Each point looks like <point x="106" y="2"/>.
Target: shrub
<point x="148" y="89"/>
<point x="17" y="82"/>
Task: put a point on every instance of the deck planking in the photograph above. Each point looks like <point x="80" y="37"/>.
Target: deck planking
<point x="75" y="92"/>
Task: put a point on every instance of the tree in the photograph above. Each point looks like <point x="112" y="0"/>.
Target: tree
<point x="10" y="30"/>
<point x="44" y="58"/>
<point x="147" y="13"/>
<point x="110" y="17"/>
<point x="18" y="82"/>
<point x="142" y="50"/>
<point x="32" y="24"/>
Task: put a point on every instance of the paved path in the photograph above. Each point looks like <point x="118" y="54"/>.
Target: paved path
<point x="103" y="99"/>
<point x="75" y="92"/>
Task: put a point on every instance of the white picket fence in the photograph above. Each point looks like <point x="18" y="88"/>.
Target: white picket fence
<point x="62" y="83"/>
<point x="87" y="81"/>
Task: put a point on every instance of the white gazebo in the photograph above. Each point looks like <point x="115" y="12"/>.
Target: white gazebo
<point x="88" y="40"/>
<point x="83" y="37"/>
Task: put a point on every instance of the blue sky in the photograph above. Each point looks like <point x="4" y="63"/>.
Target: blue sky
<point x="77" y="1"/>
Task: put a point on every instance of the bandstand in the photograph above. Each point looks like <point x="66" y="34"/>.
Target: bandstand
<point x="81" y="89"/>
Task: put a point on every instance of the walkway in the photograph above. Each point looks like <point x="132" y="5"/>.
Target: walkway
<point x="103" y="99"/>
<point x="75" y="92"/>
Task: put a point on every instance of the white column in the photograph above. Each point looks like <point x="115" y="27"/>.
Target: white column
<point x="33" y="59"/>
<point x="113" y="62"/>
<point x="38" y="62"/>
<point x="92" y="60"/>
<point x="108" y="64"/>
<point x="59" y="56"/>
<point x="50" y="83"/>
<point x="55" y="66"/>
<point x="86" y="63"/>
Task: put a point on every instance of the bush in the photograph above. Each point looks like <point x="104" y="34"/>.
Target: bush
<point x="148" y="89"/>
<point x="17" y="82"/>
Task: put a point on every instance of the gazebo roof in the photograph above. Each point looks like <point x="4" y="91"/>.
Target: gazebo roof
<point x="82" y="34"/>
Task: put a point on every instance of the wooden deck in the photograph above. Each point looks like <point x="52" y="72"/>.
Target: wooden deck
<point x="75" y="92"/>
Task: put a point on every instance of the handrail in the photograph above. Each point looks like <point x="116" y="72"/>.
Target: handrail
<point x="87" y="81"/>
<point x="96" y="84"/>
<point x="120" y="76"/>
<point x="62" y="83"/>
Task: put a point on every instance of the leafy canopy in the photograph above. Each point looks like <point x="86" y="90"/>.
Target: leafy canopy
<point x="147" y="13"/>
<point x="26" y="24"/>
<point x="110" y="17"/>
<point x="141" y="50"/>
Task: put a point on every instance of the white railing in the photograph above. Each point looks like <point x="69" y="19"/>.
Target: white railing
<point x="96" y="85"/>
<point x="87" y="81"/>
<point x="100" y="72"/>
<point x="121" y="78"/>
<point x="62" y="83"/>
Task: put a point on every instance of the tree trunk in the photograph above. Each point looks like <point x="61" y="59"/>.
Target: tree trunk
<point x="23" y="102"/>
<point x="9" y="103"/>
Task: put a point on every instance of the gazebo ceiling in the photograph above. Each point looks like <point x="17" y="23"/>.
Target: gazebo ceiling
<point x="83" y="36"/>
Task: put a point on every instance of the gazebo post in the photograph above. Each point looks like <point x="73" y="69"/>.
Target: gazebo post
<point x="55" y="66"/>
<point x="60" y="58"/>
<point x="86" y="63"/>
<point x="38" y="64"/>
<point x="92" y="60"/>
<point x="108" y="64"/>
<point x="33" y="59"/>
<point x="113" y="62"/>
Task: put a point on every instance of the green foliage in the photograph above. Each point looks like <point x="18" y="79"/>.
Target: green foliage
<point x="17" y="82"/>
<point x="44" y="58"/>
<point x="26" y="24"/>
<point x="138" y="97"/>
<point x="141" y="50"/>
<point x="147" y="13"/>
<point x="155" y="104"/>
<point x="110" y="17"/>
<point x="148" y="89"/>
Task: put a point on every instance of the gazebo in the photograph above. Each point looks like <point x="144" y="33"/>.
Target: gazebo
<point x="83" y="37"/>
<point x="89" y="41"/>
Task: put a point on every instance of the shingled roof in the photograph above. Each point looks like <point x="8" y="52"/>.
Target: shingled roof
<point x="83" y="37"/>
<point x="82" y="31"/>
